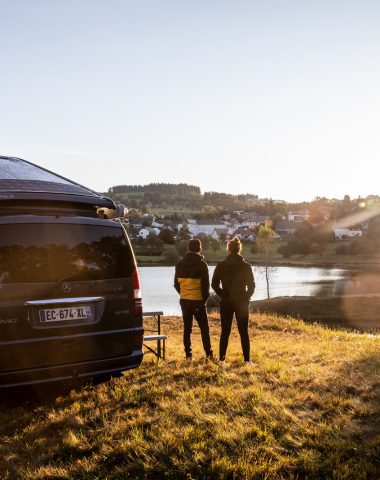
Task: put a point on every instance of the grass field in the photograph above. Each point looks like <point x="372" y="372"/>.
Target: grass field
<point x="326" y="258"/>
<point x="309" y="408"/>
<point x="172" y="209"/>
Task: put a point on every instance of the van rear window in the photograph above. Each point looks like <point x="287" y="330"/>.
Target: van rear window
<point x="37" y="253"/>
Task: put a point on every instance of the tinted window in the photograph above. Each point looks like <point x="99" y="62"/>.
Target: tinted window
<point x="35" y="253"/>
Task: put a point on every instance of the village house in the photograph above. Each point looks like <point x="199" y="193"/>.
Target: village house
<point x="220" y="233"/>
<point x="147" y="219"/>
<point x="287" y="228"/>
<point x="233" y="224"/>
<point x="205" y="227"/>
<point x="246" y="234"/>
<point x="146" y="231"/>
<point x="156" y="224"/>
<point x="253" y="220"/>
<point x="350" y="232"/>
<point x="135" y="222"/>
<point x="299" y="216"/>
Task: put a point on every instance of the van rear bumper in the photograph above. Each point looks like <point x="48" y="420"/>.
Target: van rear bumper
<point x="72" y="371"/>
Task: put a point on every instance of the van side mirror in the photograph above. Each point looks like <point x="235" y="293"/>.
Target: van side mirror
<point x="121" y="210"/>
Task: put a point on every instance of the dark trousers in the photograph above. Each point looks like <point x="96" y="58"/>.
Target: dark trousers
<point x="227" y="312"/>
<point x="190" y="309"/>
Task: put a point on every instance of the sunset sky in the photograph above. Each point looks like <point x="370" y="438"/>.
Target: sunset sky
<point x="276" y="98"/>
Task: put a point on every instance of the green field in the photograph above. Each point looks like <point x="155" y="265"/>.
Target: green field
<point x="172" y="209"/>
<point x="327" y="258"/>
<point x="309" y="408"/>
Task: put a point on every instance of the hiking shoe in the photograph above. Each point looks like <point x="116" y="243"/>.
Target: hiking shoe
<point x="189" y="359"/>
<point x="211" y="358"/>
<point x="248" y="363"/>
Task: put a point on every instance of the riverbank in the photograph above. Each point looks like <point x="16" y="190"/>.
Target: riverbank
<point x="308" y="408"/>
<point x="348" y="311"/>
<point x="327" y="259"/>
<point x="359" y="264"/>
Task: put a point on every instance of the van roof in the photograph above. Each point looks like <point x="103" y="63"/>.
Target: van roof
<point x="23" y="180"/>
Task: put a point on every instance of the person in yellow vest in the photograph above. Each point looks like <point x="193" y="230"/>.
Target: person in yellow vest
<point x="192" y="282"/>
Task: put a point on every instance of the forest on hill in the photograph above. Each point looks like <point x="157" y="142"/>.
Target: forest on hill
<point x="167" y="198"/>
<point x="164" y="188"/>
<point x="183" y="201"/>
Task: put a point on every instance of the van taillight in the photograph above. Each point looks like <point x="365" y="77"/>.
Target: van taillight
<point x="137" y="292"/>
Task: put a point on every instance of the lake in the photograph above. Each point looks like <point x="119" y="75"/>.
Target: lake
<point x="159" y="293"/>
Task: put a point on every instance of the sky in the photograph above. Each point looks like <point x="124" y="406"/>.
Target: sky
<point x="276" y="98"/>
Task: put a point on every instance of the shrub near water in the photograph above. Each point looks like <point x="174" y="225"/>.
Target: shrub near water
<point x="309" y="408"/>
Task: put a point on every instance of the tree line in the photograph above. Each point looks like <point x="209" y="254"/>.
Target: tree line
<point x="165" y="188"/>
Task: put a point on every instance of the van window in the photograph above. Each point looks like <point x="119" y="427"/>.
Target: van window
<point x="37" y="253"/>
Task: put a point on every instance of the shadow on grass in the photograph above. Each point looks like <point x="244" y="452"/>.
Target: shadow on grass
<point x="350" y="451"/>
<point x="43" y="394"/>
<point x="353" y="451"/>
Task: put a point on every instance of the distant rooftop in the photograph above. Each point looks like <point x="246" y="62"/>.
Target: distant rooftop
<point x="209" y="222"/>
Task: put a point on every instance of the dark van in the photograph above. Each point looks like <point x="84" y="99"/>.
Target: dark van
<point x="70" y="298"/>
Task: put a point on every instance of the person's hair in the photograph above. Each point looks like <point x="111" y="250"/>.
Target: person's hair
<point x="234" y="245"/>
<point x="195" y="245"/>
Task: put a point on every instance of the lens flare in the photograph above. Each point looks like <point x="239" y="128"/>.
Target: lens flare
<point x="361" y="301"/>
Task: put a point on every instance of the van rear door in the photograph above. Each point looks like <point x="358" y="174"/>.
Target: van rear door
<point x="66" y="292"/>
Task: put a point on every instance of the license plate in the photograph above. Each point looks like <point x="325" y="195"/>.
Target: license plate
<point x="65" y="313"/>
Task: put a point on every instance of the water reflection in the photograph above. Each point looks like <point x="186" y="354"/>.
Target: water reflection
<point x="350" y="283"/>
<point x="297" y="281"/>
<point x="159" y="294"/>
<point x="332" y="296"/>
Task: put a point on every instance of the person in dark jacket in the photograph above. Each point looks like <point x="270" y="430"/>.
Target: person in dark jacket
<point x="234" y="283"/>
<point x="192" y="282"/>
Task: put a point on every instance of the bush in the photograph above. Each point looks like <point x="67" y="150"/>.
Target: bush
<point x="181" y="247"/>
<point x="341" y="250"/>
<point x="316" y="248"/>
<point x="304" y="248"/>
<point x="294" y="245"/>
<point x="361" y="246"/>
<point x="148" y="251"/>
<point x="285" y="251"/>
<point x="167" y="236"/>
<point x="214" y="245"/>
<point x="253" y="249"/>
<point x="205" y="239"/>
<point x="171" y="256"/>
<point x="213" y="302"/>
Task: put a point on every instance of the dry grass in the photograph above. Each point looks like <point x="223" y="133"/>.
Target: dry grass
<point x="359" y="312"/>
<point x="308" y="409"/>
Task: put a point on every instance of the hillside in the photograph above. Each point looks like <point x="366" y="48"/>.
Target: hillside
<point x="184" y="200"/>
<point x="309" y="408"/>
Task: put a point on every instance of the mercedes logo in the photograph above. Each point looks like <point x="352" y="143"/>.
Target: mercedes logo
<point x="66" y="287"/>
